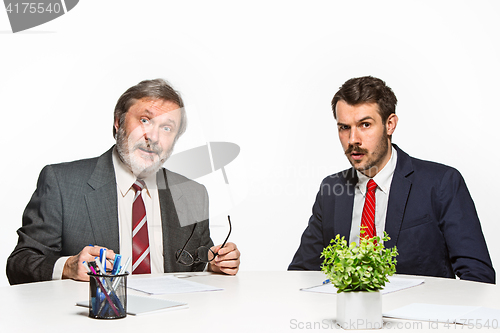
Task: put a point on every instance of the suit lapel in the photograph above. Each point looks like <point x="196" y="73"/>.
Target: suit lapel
<point x="344" y="204"/>
<point x="398" y="197"/>
<point x="102" y="203"/>
<point x="171" y="227"/>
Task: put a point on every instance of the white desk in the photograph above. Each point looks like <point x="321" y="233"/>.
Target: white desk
<point x="250" y="302"/>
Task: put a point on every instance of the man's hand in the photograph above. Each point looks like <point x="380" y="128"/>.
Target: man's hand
<point x="74" y="269"/>
<point x="227" y="261"/>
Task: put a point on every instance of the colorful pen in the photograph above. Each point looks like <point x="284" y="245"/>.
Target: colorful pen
<point x="102" y="257"/>
<point x="116" y="264"/>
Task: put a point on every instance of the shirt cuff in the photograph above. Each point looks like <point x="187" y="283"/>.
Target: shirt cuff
<point x="58" y="268"/>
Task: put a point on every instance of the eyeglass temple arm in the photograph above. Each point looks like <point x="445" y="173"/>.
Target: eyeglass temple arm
<point x="190" y="236"/>
<point x="230" y="228"/>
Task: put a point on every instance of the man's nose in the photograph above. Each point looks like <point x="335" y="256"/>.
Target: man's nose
<point x="152" y="134"/>
<point x="354" y="138"/>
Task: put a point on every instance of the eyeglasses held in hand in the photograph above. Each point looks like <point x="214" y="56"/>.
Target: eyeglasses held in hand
<point x="201" y="254"/>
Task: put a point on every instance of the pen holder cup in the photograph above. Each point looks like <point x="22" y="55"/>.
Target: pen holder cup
<point x="108" y="296"/>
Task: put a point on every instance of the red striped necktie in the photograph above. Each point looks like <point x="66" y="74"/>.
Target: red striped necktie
<point x="368" y="217"/>
<point x="141" y="262"/>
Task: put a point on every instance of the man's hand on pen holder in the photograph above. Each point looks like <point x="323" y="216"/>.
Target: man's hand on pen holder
<point x="227" y="261"/>
<point x="74" y="269"/>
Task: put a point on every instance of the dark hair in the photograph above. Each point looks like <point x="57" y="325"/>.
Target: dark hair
<point x="367" y="89"/>
<point x="155" y="89"/>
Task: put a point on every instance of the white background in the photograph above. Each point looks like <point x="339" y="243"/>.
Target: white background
<point x="260" y="74"/>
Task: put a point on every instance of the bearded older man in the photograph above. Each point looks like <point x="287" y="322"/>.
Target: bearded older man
<point x="96" y="201"/>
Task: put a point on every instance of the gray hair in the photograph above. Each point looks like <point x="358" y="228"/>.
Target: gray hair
<point x="155" y="89"/>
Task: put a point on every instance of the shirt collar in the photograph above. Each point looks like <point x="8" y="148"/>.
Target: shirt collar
<point x="383" y="178"/>
<point x="125" y="178"/>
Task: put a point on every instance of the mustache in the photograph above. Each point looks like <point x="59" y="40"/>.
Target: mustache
<point x="147" y="145"/>
<point x="355" y="149"/>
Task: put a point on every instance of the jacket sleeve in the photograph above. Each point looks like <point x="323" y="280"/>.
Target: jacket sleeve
<point x="39" y="242"/>
<point x="308" y="254"/>
<point x="460" y="225"/>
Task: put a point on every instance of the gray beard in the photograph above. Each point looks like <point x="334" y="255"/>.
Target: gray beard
<point x="139" y="168"/>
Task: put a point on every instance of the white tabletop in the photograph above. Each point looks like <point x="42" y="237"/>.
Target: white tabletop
<point x="250" y="302"/>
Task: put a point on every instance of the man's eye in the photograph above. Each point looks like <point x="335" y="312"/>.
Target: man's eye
<point x="167" y="129"/>
<point x="365" y="125"/>
<point x="343" y="128"/>
<point x="144" y="121"/>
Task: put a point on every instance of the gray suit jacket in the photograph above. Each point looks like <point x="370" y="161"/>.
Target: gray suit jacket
<point x="75" y="204"/>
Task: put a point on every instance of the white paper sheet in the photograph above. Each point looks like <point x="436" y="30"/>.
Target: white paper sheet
<point x="481" y="315"/>
<point x="430" y="312"/>
<point x="468" y="315"/>
<point x="168" y="285"/>
<point x="395" y="284"/>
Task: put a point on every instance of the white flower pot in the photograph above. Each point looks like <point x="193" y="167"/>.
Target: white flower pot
<point x="359" y="310"/>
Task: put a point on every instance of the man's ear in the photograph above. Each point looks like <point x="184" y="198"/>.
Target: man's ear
<point x="117" y="124"/>
<point x="391" y="124"/>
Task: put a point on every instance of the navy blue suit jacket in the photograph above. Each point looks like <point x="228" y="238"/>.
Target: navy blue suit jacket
<point x="431" y="218"/>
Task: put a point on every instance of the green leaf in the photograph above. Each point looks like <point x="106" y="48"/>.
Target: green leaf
<point x="365" y="267"/>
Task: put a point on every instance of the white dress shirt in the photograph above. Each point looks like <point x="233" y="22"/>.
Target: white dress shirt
<point x="124" y="181"/>
<point x="383" y="180"/>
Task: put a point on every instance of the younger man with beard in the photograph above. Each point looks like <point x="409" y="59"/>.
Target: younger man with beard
<point x="424" y="207"/>
<point x="93" y="201"/>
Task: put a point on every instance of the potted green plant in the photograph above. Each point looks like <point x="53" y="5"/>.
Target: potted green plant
<point x="359" y="273"/>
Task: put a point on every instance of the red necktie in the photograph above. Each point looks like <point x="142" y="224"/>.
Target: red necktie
<point x="368" y="217"/>
<point x="140" y="240"/>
